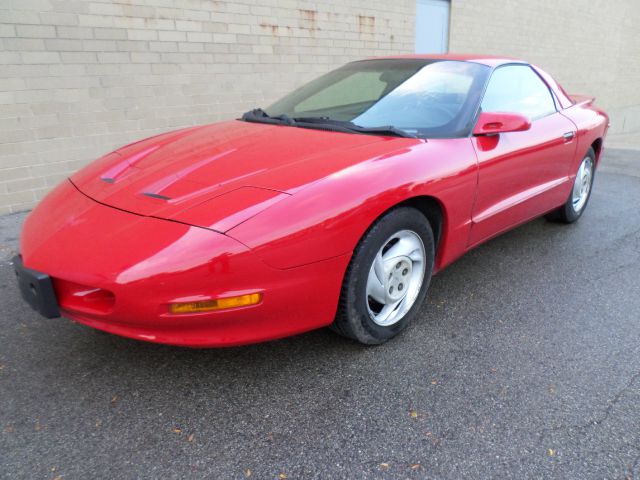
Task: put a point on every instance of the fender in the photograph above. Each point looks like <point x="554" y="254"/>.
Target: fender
<point x="328" y="218"/>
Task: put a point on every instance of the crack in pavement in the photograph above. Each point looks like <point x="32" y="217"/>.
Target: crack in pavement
<point x="596" y="421"/>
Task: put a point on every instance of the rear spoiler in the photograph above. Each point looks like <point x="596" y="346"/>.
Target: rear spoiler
<point x="582" y="99"/>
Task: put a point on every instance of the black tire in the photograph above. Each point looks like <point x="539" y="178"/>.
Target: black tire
<point x="567" y="213"/>
<point x="353" y="319"/>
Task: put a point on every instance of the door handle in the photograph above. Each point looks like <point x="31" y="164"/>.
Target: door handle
<point x="568" y="136"/>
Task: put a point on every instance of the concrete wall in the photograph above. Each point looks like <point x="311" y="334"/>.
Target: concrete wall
<point x="589" y="46"/>
<point x="79" y="78"/>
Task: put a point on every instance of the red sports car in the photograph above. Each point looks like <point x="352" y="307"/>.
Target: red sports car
<point x="333" y="206"/>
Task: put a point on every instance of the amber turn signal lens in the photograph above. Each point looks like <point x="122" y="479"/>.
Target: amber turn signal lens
<point x="217" y="304"/>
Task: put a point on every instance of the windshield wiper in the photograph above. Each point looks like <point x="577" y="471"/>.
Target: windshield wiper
<point x="383" y="130"/>
<point x="260" y="116"/>
<point x="350" y="126"/>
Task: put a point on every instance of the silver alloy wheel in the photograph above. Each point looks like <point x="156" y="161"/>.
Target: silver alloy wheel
<point x="395" y="277"/>
<point x="582" y="185"/>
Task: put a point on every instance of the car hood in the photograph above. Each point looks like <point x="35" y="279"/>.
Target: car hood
<point x="219" y="175"/>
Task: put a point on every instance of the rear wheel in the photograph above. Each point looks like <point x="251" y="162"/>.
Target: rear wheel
<point x="578" y="199"/>
<point x="388" y="277"/>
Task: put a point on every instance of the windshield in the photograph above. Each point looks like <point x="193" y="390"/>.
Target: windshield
<point x="425" y="98"/>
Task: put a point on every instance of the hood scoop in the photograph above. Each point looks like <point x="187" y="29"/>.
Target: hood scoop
<point x="120" y="169"/>
<point x="156" y="195"/>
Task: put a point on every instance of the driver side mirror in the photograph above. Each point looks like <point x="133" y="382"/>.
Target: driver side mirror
<point x="491" y="123"/>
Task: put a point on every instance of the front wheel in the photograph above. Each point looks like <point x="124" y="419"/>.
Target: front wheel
<point x="388" y="277"/>
<point x="578" y="199"/>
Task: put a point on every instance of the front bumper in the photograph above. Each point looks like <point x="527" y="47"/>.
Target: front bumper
<point x="147" y="263"/>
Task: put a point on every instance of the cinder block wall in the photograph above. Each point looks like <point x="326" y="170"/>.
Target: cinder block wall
<point x="590" y="47"/>
<point x="79" y="78"/>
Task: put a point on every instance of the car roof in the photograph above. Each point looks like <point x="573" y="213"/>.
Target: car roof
<point x="489" y="60"/>
<point x="492" y="62"/>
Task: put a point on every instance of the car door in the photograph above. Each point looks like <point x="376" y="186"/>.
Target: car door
<point x="521" y="174"/>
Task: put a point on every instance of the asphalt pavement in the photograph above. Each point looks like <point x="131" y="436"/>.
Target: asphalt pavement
<point x="525" y="363"/>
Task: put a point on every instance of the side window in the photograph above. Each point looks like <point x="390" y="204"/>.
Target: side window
<point x="518" y="89"/>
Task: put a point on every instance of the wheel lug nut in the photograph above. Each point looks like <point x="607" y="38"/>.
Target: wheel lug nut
<point x="390" y="289"/>
<point x="405" y="271"/>
<point x="398" y="265"/>
<point x="400" y="287"/>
